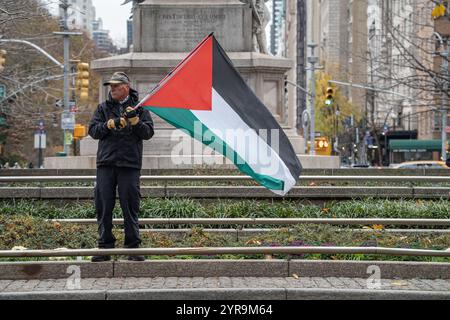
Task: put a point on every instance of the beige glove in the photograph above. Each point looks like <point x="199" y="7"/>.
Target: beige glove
<point x="132" y="116"/>
<point x="111" y="124"/>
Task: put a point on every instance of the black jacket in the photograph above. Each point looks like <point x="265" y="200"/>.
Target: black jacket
<point x="120" y="148"/>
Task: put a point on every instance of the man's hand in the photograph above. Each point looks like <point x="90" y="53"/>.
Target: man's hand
<point x="117" y="122"/>
<point x="131" y="115"/>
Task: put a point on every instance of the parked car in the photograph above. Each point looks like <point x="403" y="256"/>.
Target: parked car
<point x="420" y="165"/>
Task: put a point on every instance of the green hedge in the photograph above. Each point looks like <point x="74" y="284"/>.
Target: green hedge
<point x="189" y="208"/>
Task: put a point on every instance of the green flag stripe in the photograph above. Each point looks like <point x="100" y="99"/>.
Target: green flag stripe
<point x="184" y="119"/>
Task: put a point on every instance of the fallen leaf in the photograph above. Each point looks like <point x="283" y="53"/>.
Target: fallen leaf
<point x="295" y="276"/>
<point x="377" y="227"/>
<point x="19" y="248"/>
<point x="253" y="241"/>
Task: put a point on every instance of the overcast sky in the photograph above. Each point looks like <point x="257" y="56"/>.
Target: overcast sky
<point x="114" y="18"/>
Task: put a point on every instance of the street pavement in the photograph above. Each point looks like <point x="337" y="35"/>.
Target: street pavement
<point x="328" y="287"/>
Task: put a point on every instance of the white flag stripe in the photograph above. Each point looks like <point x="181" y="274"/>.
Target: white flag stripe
<point x="224" y="122"/>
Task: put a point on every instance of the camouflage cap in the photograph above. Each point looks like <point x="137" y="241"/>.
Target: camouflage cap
<point x="118" y="77"/>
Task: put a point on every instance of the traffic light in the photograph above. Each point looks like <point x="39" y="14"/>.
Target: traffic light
<point x="329" y="97"/>
<point x="2" y="60"/>
<point x="322" y="143"/>
<point x="322" y="146"/>
<point x="79" y="131"/>
<point x="83" y="80"/>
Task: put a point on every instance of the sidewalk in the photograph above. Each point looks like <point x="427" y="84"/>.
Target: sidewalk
<point x="275" y="288"/>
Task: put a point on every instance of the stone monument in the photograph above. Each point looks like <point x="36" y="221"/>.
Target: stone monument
<point x="261" y="18"/>
<point x="164" y="32"/>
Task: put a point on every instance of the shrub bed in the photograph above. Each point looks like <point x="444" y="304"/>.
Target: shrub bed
<point x="37" y="233"/>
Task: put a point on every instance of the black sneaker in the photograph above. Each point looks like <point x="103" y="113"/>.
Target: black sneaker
<point x="100" y="258"/>
<point x="136" y="258"/>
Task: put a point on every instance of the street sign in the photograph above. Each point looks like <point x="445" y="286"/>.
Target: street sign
<point x="67" y="121"/>
<point x="305" y="119"/>
<point x="72" y="106"/>
<point x="2" y="91"/>
<point x="68" y="138"/>
<point x="40" y="140"/>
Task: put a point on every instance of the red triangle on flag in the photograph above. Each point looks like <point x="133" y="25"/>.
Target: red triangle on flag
<point x="190" y="84"/>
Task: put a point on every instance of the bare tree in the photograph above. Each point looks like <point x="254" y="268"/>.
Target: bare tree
<point x="400" y="58"/>
<point x="34" y="83"/>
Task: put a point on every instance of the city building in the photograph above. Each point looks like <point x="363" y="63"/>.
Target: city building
<point x="403" y="59"/>
<point x="339" y="28"/>
<point x="391" y="43"/>
<point x="429" y="113"/>
<point x="277" y="28"/>
<point x="129" y="34"/>
<point x="81" y="15"/>
<point x="102" y="38"/>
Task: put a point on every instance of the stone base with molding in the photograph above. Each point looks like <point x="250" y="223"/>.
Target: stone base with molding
<point x="183" y="162"/>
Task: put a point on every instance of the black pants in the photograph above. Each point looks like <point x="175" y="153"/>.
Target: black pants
<point x="127" y="181"/>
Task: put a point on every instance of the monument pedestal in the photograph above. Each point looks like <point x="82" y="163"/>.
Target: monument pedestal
<point x="165" y="31"/>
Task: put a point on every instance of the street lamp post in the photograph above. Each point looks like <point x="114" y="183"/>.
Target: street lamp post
<point x="313" y="60"/>
<point x="445" y="56"/>
<point x="444" y="105"/>
<point x="385" y="150"/>
<point x="64" y="5"/>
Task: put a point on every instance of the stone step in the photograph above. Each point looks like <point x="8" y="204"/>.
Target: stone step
<point x="237" y="192"/>
<point x="209" y="268"/>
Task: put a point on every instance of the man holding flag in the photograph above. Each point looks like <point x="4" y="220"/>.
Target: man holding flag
<point x="120" y="129"/>
<point x="205" y="96"/>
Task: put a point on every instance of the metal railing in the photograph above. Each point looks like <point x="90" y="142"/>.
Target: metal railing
<point x="229" y="178"/>
<point x="271" y="221"/>
<point x="222" y="251"/>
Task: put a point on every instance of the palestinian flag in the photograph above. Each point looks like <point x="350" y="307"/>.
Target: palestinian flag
<point x="207" y="97"/>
